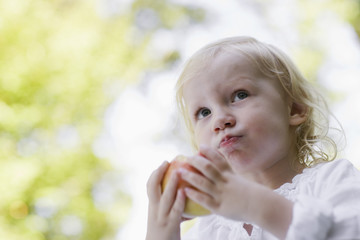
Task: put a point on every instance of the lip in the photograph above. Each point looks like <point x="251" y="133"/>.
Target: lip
<point x="228" y="141"/>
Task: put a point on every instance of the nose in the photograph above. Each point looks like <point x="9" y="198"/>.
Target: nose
<point x="224" y="120"/>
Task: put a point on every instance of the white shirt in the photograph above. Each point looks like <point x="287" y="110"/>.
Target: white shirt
<point x="326" y="206"/>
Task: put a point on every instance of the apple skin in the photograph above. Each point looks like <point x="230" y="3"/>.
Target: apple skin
<point x="192" y="209"/>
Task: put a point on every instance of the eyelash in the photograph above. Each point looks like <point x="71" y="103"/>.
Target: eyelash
<point x="242" y="92"/>
<point x="197" y="114"/>
<point x="235" y="94"/>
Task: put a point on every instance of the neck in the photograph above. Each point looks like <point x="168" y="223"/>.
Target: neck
<point x="275" y="176"/>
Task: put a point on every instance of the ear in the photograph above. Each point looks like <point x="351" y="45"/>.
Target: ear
<point x="298" y="114"/>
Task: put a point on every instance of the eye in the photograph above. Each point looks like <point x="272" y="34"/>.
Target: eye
<point x="240" y="95"/>
<point x="202" y="113"/>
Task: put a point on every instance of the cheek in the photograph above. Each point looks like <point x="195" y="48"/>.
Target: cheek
<point x="198" y="138"/>
<point x="269" y="129"/>
<point x="201" y="136"/>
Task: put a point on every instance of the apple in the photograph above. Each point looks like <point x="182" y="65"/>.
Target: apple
<point x="192" y="209"/>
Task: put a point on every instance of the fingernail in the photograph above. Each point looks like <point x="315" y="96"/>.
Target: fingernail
<point x="182" y="171"/>
<point x="187" y="190"/>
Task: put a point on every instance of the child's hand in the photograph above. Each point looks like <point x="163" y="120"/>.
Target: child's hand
<point x="221" y="190"/>
<point x="165" y="209"/>
<point x="230" y="195"/>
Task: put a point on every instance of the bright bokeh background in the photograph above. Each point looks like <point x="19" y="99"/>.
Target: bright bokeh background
<point x="87" y="105"/>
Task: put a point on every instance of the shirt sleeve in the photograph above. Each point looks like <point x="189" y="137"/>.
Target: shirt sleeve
<point x="327" y="206"/>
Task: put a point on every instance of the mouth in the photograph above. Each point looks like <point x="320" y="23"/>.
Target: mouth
<point x="228" y="141"/>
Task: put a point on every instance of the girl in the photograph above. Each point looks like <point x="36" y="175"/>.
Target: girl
<point x="267" y="164"/>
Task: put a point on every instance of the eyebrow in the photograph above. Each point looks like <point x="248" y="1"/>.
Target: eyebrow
<point x="245" y="79"/>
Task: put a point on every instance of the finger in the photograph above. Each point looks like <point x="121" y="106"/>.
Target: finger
<point x="154" y="182"/>
<point x="179" y="205"/>
<point x="201" y="198"/>
<point x="215" y="157"/>
<point x="206" y="167"/>
<point x="168" y="197"/>
<point x="196" y="180"/>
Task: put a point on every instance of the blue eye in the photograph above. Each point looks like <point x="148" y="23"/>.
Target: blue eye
<point x="240" y="95"/>
<point x="202" y="113"/>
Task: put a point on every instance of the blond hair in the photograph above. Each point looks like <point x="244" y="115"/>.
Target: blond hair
<point x="313" y="145"/>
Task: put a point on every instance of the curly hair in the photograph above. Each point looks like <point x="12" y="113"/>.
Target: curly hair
<point x="313" y="143"/>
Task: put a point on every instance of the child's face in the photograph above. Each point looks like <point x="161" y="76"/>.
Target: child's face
<point x="245" y="115"/>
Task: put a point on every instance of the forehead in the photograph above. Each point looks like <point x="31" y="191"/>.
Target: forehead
<point x="231" y="63"/>
<point x="224" y="68"/>
<point x="224" y="71"/>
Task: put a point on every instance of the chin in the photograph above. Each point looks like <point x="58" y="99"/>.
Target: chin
<point x="238" y="162"/>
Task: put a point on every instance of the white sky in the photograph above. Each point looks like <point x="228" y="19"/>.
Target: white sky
<point x="139" y="124"/>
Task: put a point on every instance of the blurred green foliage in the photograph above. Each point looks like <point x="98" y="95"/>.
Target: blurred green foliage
<point x="349" y="10"/>
<point x="61" y="63"/>
<point x="310" y="52"/>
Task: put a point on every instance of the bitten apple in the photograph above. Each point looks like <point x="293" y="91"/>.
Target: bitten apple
<point x="192" y="209"/>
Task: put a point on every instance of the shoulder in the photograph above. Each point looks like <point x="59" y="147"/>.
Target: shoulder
<point x="339" y="169"/>
<point x="324" y="176"/>
<point x="326" y="202"/>
<point x="315" y="179"/>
